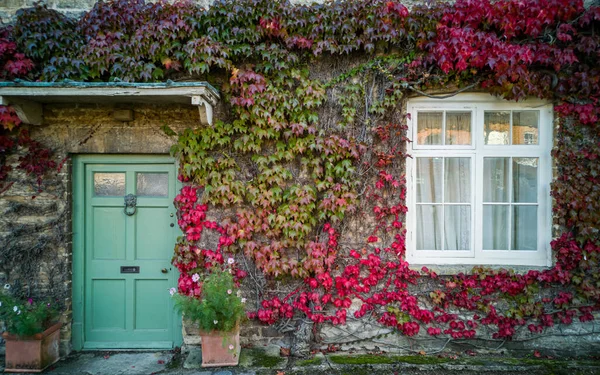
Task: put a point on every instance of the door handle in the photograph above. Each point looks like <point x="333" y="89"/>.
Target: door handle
<point x="164" y="270"/>
<point x="130" y="202"/>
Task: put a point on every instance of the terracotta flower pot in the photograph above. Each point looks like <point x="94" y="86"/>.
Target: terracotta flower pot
<point x="32" y="353"/>
<point x="220" y="348"/>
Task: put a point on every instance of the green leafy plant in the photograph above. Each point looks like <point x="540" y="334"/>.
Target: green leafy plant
<point x="26" y="318"/>
<point x="218" y="308"/>
<point x="316" y="140"/>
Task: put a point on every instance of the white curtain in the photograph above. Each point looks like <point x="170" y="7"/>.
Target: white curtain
<point x="525" y="186"/>
<point x="507" y="199"/>
<point x="496" y="185"/>
<point x="443" y="207"/>
<point x="457" y="189"/>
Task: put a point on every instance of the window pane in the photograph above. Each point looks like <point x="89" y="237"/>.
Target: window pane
<point x="525" y="127"/>
<point x="524" y="228"/>
<point x="429" y="128"/>
<point x="495" y="227"/>
<point x="457" y="228"/>
<point x="429" y="227"/>
<point x="153" y="184"/>
<point x="109" y="184"/>
<point x="458" y="128"/>
<point x="495" y="179"/>
<point x="525" y="180"/>
<point x="457" y="180"/>
<point x="429" y="180"/>
<point x="496" y="127"/>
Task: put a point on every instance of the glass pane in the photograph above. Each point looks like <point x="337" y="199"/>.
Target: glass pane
<point x="495" y="179"/>
<point x="429" y="128"/>
<point x="457" y="228"/>
<point x="496" y="127"/>
<point x="457" y="180"/>
<point x="429" y="179"/>
<point x="153" y="184"/>
<point x="109" y="184"/>
<point x="429" y="227"/>
<point x="525" y="127"/>
<point x="524" y="228"/>
<point x="525" y="180"/>
<point x="458" y="128"/>
<point x="495" y="227"/>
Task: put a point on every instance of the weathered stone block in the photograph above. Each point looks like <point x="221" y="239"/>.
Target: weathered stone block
<point x="74" y="4"/>
<point x="13" y="4"/>
<point x="270" y="332"/>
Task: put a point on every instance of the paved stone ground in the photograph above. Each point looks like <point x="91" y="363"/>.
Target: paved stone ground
<point x="266" y="361"/>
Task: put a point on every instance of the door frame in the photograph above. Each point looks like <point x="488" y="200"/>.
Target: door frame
<point x="78" y="227"/>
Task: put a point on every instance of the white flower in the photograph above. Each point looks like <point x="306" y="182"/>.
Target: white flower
<point x="15" y="309"/>
<point x="19" y="312"/>
<point x="243" y="300"/>
<point x="172" y="291"/>
<point x="230" y="261"/>
<point x="195" y="277"/>
<point x="0" y="303"/>
<point x="215" y="321"/>
<point x="229" y="291"/>
<point x="6" y="286"/>
<point x="231" y="346"/>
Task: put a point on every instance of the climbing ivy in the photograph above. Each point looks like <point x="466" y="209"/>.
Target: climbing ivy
<point x="308" y="161"/>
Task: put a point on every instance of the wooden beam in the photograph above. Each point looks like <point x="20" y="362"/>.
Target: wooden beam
<point x="29" y="112"/>
<point x="206" y="114"/>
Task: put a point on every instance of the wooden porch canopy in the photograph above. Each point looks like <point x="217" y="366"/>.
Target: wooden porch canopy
<point x="27" y="98"/>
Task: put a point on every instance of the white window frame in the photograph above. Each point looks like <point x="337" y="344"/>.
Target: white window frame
<point x="478" y="103"/>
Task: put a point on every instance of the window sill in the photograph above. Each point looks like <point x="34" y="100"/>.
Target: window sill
<point x="454" y="269"/>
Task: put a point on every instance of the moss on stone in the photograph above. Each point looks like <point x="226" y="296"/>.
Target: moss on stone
<point x="367" y="359"/>
<point x="258" y="358"/>
<point x="309" y="362"/>
<point x="421" y="359"/>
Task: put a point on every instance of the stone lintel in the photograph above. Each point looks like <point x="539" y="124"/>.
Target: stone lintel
<point x="27" y="98"/>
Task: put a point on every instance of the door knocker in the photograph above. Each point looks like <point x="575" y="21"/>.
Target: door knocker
<point x="130" y="202"/>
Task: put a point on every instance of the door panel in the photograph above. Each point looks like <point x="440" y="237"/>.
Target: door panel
<point x="149" y="237"/>
<point x="125" y="309"/>
<point x="153" y="315"/>
<point x="108" y="235"/>
<point x="108" y="316"/>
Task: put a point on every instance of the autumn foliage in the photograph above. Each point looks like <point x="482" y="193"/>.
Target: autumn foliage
<point x="290" y="184"/>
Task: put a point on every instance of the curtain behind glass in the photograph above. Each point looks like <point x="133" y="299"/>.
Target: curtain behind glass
<point x="440" y="216"/>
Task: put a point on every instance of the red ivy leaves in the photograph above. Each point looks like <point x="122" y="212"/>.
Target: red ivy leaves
<point x="514" y="48"/>
<point x="8" y="119"/>
<point x="13" y="64"/>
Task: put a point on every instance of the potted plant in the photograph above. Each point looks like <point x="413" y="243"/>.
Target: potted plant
<point x="32" y="336"/>
<point x="218" y="311"/>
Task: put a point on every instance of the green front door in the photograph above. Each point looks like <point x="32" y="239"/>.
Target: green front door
<point x="127" y="255"/>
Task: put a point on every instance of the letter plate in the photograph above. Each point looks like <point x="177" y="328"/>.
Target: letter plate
<point x="130" y="269"/>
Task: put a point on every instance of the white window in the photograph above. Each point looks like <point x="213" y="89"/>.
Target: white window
<point x="479" y="181"/>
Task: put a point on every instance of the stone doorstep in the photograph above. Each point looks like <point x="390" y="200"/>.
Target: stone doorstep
<point x="112" y="363"/>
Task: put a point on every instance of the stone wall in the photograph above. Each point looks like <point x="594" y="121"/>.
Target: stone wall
<point x="35" y="240"/>
<point x="35" y="221"/>
<point x="37" y="226"/>
<point x="75" y="8"/>
<point x="72" y="8"/>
